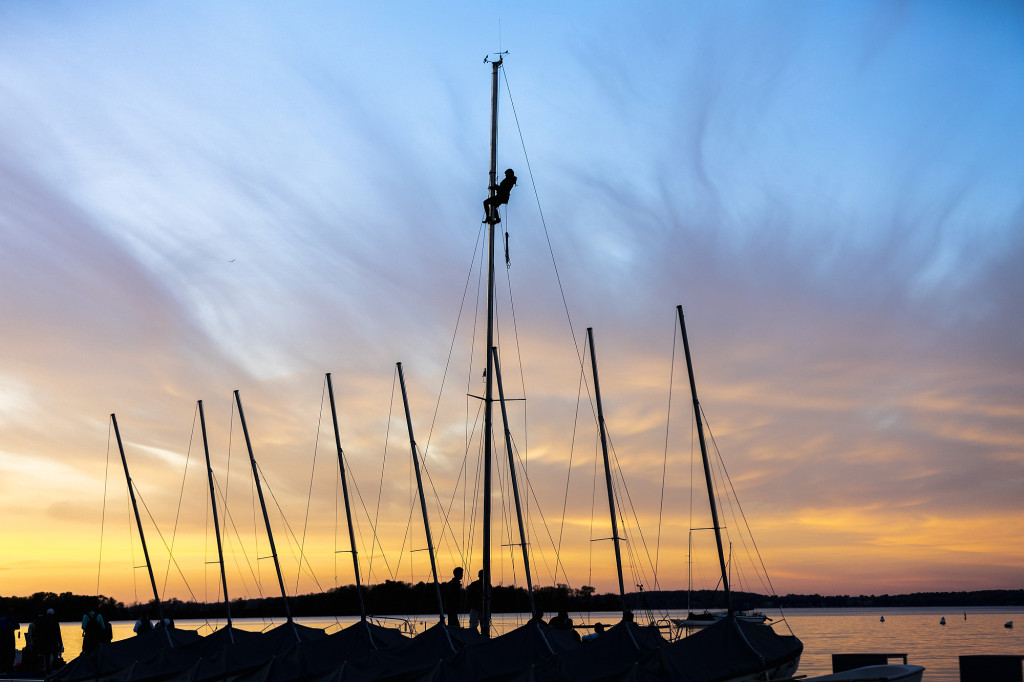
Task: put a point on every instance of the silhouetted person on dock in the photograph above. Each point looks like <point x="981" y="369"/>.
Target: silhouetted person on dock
<point x="48" y="642"/>
<point x="501" y="192"/>
<point x="453" y="597"/>
<point x="8" y="624"/>
<point x="475" y="599"/>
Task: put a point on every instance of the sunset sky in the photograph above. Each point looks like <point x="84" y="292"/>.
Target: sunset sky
<point x="198" y="197"/>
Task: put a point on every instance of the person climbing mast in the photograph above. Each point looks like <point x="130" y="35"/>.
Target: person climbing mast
<point x="499" y="197"/>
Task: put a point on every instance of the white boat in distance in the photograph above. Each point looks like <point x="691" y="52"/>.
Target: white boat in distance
<point x="699" y="620"/>
<point x="874" y="673"/>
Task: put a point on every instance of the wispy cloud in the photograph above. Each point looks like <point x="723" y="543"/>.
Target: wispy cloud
<point x="199" y="199"/>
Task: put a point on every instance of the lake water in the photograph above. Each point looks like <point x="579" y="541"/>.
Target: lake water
<point x="914" y="631"/>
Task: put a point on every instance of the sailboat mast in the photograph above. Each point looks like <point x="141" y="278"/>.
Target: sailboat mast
<point x="423" y="500"/>
<point x="485" y="620"/>
<point x="216" y="521"/>
<point x="344" y="493"/>
<point x="263" y="506"/>
<point x="138" y="519"/>
<point x="707" y="466"/>
<point x="515" y="485"/>
<point x="607" y="470"/>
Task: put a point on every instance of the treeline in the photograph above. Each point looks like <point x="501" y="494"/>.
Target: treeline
<point x="401" y="598"/>
<point x="978" y="598"/>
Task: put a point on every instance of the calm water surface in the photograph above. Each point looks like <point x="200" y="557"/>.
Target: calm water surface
<point x="824" y="632"/>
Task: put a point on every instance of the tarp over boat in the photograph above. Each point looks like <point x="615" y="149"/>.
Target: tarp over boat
<point x="171" y="661"/>
<point x="506" y="656"/>
<point x="110" y="658"/>
<point x="728" y="649"/>
<point x="604" y="657"/>
<point x="412" y="659"/>
<point x="248" y="654"/>
<point x="314" y="658"/>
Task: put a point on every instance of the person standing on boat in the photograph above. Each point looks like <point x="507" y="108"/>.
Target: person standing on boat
<point x="8" y="649"/>
<point x="143" y="624"/>
<point x="501" y="192"/>
<point x="94" y="631"/>
<point x="453" y="597"/>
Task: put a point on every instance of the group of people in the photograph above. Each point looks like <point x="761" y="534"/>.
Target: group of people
<point x="144" y="624"/>
<point x="44" y="644"/>
<point x="455" y="598"/>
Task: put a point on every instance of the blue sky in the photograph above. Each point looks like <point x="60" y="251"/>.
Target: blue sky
<point x="199" y="197"/>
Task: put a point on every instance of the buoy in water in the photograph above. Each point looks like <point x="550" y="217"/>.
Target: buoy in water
<point x="942" y="621"/>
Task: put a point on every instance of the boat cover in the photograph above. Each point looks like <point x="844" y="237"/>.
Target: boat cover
<point x="608" y="656"/>
<point x="112" y="657"/>
<point x="724" y="650"/>
<point x="314" y="658"/>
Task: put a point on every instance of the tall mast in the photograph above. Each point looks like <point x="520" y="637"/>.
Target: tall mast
<point x="707" y="466"/>
<point x="344" y="493"/>
<point x="423" y="500"/>
<point x="485" y="620"/>
<point x="266" y="517"/>
<point x="607" y="470"/>
<point x="216" y="522"/>
<point x="138" y="520"/>
<point x="515" y="486"/>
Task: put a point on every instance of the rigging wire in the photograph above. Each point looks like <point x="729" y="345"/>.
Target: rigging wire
<point x="181" y="496"/>
<point x="629" y="500"/>
<point x="290" y="531"/>
<point x="543" y="221"/>
<point x="446" y="510"/>
<point x="734" y="499"/>
<point x="380" y="487"/>
<point x="664" y="461"/>
<point x="131" y="542"/>
<point x="375" y="540"/>
<point x="253" y="567"/>
<point x="572" y="450"/>
<point x="522" y="374"/>
<point x="138" y="494"/>
<point x="309" y="494"/>
<point x="580" y="355"/>
<point x="103" y="512"/>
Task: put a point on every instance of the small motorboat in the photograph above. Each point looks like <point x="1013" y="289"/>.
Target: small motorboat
<point x="882" y="619"/>
<point x="1008" y="624"/>
<point x="942" y="621"/>
<point x="699" y="620"/>
<point x="874" y="673"/>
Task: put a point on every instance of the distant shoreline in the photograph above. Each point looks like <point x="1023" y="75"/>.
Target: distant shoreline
<point x="398" y="598"/>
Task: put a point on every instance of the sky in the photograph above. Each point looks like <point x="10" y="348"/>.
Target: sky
<point x="202" y="197"/>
